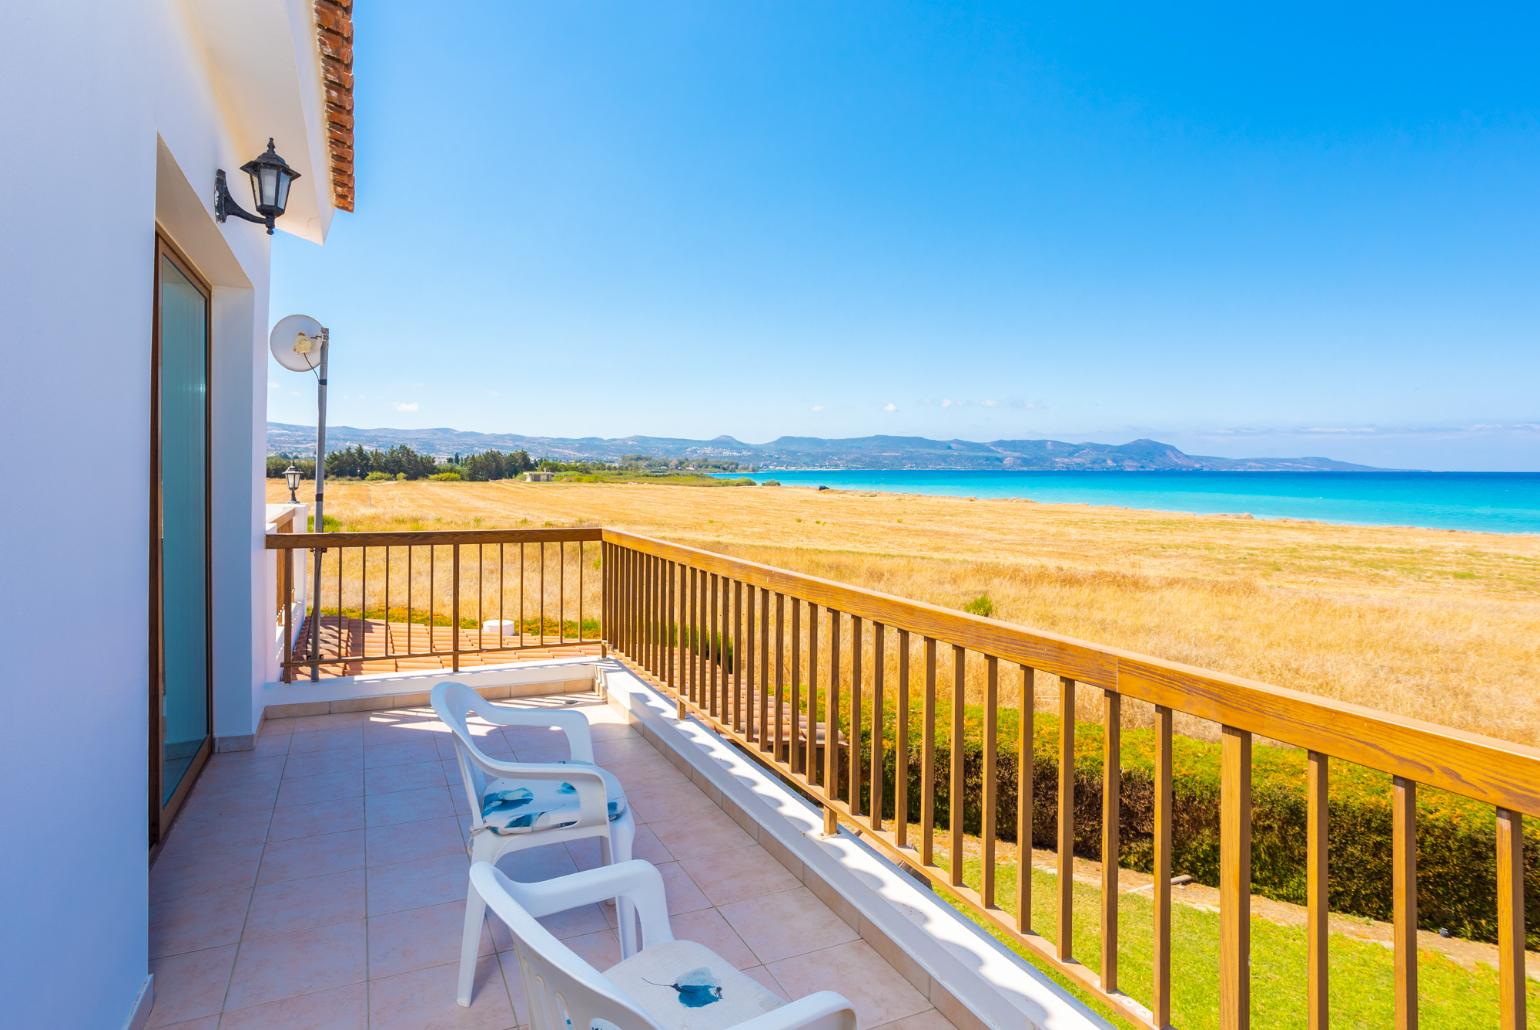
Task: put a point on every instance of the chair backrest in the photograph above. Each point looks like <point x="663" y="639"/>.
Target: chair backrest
<point x="452" y="702"/>
<point x="562" y="990"/>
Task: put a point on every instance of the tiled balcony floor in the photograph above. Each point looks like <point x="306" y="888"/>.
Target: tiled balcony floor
<point x="319" y="881"/>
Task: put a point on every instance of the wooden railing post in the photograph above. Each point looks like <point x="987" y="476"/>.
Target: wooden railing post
<point x="1160" y="1006"/>
<point x="1066" y="856"/>
<point x="1404" y="899"/>
<point x="1112" y="797"/>
<point x="454" y="611"/>
<point x="1510" y="919"/>
<point x="1025" y="770"/>
<point x="1317" y="908"/>
<point x="1235" y="880"/>
<point x="286" y="577"/>
<point x="955" y="753"/>
<point x="989" y="789"/>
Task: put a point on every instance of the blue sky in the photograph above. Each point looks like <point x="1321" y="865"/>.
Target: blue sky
<point x="1309" y="230"/>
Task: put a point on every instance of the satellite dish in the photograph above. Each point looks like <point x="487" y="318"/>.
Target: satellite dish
<point x="297" y="342"/>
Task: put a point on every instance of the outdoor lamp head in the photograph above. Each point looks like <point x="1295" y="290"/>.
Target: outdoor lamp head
<point x="270" y="177"/>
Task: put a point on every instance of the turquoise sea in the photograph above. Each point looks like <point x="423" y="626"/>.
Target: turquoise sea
<point x="1498" y="502"/>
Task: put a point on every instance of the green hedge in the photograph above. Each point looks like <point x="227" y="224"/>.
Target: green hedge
<point x="1456" y="837"/>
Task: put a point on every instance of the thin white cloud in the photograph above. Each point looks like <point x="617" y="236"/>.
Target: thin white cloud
<point x="990" y="403"/>
<point x="890" y="407"/>
<point x="947" y="402"/>
<point x="273" y="386"/>
<point x="408" y="407"/>
<point x="815" y="409"/>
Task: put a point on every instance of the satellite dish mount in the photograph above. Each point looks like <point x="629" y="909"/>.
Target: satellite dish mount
<point x="301" y="344"/>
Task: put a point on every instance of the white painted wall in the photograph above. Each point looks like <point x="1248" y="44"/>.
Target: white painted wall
<point x="112" y="120"/>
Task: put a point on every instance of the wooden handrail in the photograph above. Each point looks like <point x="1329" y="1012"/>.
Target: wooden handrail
<point x="448" y="537"/>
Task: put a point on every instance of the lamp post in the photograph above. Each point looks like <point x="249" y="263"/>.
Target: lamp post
<point x="291" y="475"/>
<point x="270" y="177"/>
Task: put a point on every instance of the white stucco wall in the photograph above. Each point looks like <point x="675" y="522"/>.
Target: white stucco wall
<point x="113" y="120"/>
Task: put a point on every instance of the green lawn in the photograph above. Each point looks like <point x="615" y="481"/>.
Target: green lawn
<point x="1361" y="971"/>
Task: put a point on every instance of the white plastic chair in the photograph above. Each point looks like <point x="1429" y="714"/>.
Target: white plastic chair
<point x="668" y="985"/>
<point x="568" y="800"/>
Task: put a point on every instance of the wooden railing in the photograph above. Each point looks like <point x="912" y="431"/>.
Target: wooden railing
<point x="421" y="600"/>
<point x="796" y="670"/>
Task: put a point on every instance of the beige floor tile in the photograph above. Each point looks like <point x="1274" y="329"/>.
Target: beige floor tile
<point x="320" y="817"/>
<point x="878" y="993"/>
<point x="729" y="876"/>
<point x="930" y="1019"/>
<point x="600" y="950"/>
<point x="290" y="905"/>
<point x="400" y="942"/>
<point x="190" y="986"/>
<point x="761" y="974"/>
<point x="572" y="923"/>
<point x="267" y="745"/>
<point x="623" y="749"/>
<point x="400" y="753"/>
<point x="344" y="738"/>
<point x="790" y="923"/>
<point x="417" y="884"/>
<point x="194" y="922"/>
<point x="289" y="964"/>
<point x="317" y="763"/>
<point x="321" y="787"/>
<point x="707" y="927"/>
<point x="424" y="999"/>
<point x="204" y="874"/>
<point x="699" y="836"/>
<point x="180" y="851"/>
<point x="341" y="1008"/>
<point x="661" y="804"/>
<point x="587" y="854"/>
<point x="389" y="779"/>
<point x="312" y="856"/>
<point x="680" y="891"/>
<point x="409" y="842"/>
<point x="407" y="806"/>
<point x="540" y="863"/>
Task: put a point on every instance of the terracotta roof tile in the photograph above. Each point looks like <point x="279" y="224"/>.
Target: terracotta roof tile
<point x="334" y="42"/>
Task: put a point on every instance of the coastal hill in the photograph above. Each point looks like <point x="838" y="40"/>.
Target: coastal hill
<point x="787" y="452"/>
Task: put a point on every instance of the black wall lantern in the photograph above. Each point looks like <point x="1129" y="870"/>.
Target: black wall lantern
<point x="270" y="180"/>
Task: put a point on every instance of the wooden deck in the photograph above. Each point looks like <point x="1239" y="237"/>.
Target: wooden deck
<point x="360" y="647"/>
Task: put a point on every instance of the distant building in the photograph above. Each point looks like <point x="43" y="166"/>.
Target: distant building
<point x="538" y="477"/>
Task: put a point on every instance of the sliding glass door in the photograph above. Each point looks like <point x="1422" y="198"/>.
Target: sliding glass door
<point x="180" y="709"/>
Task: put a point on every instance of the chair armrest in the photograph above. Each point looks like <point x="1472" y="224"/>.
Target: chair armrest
<point x="824" y="1010"/>
<point x="636" y="881"/>
<point x="573" y="724"/>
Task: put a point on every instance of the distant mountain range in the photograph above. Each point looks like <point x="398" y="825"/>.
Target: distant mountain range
<point x="790" y="452"/>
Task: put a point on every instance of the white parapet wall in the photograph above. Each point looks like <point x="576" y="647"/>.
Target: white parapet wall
<point x="398" y="689"/>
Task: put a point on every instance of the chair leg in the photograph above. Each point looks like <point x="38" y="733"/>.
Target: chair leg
<point x="470" y="944"/>
<point x="617" y="845"/>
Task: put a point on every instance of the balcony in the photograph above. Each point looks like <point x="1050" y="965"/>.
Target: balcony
<point x="727" y="667"/>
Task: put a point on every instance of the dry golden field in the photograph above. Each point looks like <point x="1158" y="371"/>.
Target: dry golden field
<point x="1434" y="624"/>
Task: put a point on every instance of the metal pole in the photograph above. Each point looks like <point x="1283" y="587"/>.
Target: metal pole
<point x="320" y="521"/>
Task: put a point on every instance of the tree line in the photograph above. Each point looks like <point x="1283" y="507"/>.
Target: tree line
<point x="402" y="462"/>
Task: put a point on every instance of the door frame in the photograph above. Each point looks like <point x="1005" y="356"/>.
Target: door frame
<point x="162" y="815"/>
